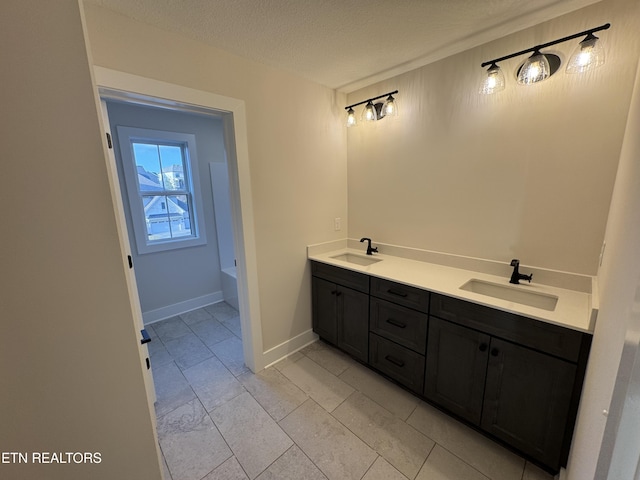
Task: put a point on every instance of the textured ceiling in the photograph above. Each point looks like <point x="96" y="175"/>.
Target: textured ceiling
<point x="344" y="44"/>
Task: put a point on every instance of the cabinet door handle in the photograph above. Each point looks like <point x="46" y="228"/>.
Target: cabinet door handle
<point x="494" y="352"/>
<point x="333" y="292"/>
<point x="394" y="360"/>
<point x="396" y="293"/>
<point x="483" y="347"/>
<point x="396" y="323"/>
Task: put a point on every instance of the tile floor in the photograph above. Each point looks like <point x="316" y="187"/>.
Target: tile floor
<point x="317" y="414"/>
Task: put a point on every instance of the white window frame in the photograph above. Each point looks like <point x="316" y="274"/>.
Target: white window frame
<point x="127" y="136"/>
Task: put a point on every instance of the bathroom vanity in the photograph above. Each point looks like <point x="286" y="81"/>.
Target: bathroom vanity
<point x="511" y="370"/>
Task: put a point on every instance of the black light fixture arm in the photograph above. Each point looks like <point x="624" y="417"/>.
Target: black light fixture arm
<point x="545" y="45"/>
<point x="371" y="99"/>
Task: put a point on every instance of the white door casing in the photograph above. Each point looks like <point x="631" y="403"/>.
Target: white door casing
<point x="136" y="89"/>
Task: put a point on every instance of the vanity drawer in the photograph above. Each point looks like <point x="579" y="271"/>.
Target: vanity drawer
<point x="341" y="276"/>
<point x="399" y="363"/>
<point x="401" y="294"/>
<point x="400" y="324"/>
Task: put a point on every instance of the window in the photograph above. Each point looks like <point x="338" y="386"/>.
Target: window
<point x="161" y="176"/>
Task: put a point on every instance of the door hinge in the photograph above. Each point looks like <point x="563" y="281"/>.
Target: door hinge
<point x="109" y="144"/>
<point x="130" y="261"/>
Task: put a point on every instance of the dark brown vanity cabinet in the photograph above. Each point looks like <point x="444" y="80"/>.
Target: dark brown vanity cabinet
<point x="341" y="308"/>
<point x="525" y="394"/>
<point x="515" y="378"/>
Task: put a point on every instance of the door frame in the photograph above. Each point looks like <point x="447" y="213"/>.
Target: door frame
<point x="146" y="91"/>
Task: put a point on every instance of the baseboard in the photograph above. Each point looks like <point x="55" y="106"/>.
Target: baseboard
<point x="169" y="311"/>
<point x="277" y="353"/>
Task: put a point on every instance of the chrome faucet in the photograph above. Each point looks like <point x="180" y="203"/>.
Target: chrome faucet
<point x="516" y="276"/>
<point x="370" y="250"/>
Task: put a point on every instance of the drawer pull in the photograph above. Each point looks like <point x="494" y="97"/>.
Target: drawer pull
<point x="397" y="293"/>
<point x="396" y="323"/>
<point x="395" y="361"/>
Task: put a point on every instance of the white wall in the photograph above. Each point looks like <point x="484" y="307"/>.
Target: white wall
<point x="297" y="151"/>
<point x="526" y="173"/>
<point x="618" y="321"/>
<point x="176" y="276"/>
<point x="69" y="366"/>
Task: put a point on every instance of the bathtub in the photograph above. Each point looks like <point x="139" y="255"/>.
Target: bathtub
<point x="230" y="287"/>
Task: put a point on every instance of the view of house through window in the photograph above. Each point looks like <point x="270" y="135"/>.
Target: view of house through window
<point x="161" y="175"/>
<point x="163" y="190"/>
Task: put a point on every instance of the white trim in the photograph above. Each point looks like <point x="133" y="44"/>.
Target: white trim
<point x="179" y="308"/>
<point x="134" y="87"/>
<point x="187" y="142"/>
<point x="291" y="346"/>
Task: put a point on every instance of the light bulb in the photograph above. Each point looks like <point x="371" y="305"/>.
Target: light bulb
<point x="369" y="113"/>
<point x="351" y="118"/>
<point x="494" y="82"/>
<point x="535" y="69"/>
<point x="390" y="108"/>
<point x="588" y="55"/>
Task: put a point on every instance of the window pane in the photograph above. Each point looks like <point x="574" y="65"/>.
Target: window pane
<point x="156" y="217"/>
<point x="180" y="214"/>
<point x="167" y="217"/>
<point x="172" y="167"/>
<point x="147" y="163"/>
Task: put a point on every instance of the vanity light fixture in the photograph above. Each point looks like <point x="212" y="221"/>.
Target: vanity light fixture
<point x="373" y="111"/>
<point x="540" y="66"/>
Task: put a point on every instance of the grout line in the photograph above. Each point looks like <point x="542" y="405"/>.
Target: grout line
<point x="371" y="466"/>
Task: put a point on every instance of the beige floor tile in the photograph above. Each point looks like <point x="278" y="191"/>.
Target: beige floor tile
<point x="531" y="472"/>
<point x="401" y="445"/>
<point x="294" y="357"/>
<point x="195" y="316"/>
<point x="188" y="350"/>
<point x="398" y="401"/>
<point x="172" y="389"/>
<point x="190" y="442"/>
<point x="321" y="385"/>
<point x="229" y="470"/>
<point x="213" y="383"/>
<point x="222" y="311"/>
<point x="328" y="357"/>
<point x="274" y="392"/>
<point x="383" y="470"/>
<point x="335" y="450"/>
<point x="293" y="465"/>
<point x="481" y="453"/>
<point x="254" y="437"/>
<point x="443" y="465"/>
<point x="211" y="331"/>
<point x="230" y="353"/>
<point x="171" y="328"/>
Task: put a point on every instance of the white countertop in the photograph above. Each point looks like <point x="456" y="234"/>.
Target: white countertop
<point x="573" y="309"/>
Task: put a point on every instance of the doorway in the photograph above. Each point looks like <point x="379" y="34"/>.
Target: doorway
<point x="141" y="91"/>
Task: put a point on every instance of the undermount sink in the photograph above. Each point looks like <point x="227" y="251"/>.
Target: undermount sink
<point x="357" y="259"/>
<point x="513" y="294"/>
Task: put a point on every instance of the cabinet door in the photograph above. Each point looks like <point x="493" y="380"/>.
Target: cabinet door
<point x="527" y="397"/>
<point x="353" y="322"/>
<point x="456" y="368"/>
<point x="324" y="309"/>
